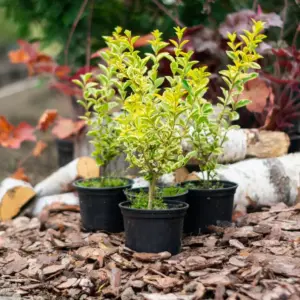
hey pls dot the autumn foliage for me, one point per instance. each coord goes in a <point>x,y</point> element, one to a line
<point>12,136</point>
<point>39,63</point>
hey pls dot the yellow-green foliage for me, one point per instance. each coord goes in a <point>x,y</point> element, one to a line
<point>209,134</point>
<point>156,119</point>
<point>101,98</point>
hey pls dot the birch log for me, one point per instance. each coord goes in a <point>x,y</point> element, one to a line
<point>243,143</point>
<point>61,180</point>
<point>14,194</point>
<point>261,182</point>
<point>42,202</point>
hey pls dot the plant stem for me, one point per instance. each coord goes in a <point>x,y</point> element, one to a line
<point>88,40</point>
<point>74,25</point>
<point>284,16</point>
<point>152,191</point>
<point>166,11</point>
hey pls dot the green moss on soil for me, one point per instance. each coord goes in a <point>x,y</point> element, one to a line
<point>103,182</point>
<point>205,185</point>
<point>139,200</point>
<point>172,191</point>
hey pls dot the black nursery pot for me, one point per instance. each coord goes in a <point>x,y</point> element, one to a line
<point>154,231</point>
<point>180,197</point>
<point>295,144</point>
<point>209,207</point>
<point>65,151</point>
<point>99,208</point>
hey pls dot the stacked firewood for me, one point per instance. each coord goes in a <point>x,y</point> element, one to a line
<point>259,164</point>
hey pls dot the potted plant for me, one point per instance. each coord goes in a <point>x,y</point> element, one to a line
<point>99,197</point>
<point>210,200</point>
<point>170,193</point>
<point>151,129</point>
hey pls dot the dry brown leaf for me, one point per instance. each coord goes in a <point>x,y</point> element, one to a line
<point>16,266</point>
<point>220,291</point>
<point>151,257</point>
<point>71,282</point>
<point>115,278</point>
<point>196,288</point>
<point>88,252</point>
<point>235,261</point>
<point>156,296</point>
<point>237,244</point>
<point>194,263</point>
<point>215,279</point>
<point>53,269</point>
<point>162,283</point>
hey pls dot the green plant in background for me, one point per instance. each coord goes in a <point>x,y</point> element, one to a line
<point>209,134</point>
<point>57,21</point>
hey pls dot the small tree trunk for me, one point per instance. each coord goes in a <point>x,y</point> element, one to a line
<point>152,192</point>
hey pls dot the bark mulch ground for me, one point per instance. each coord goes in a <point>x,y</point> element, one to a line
<point>51,258</point>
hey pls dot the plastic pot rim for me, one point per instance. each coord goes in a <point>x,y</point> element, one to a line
<point>146,188</point>
<point>233,186</point>
<point>123,205</point>
<point>78,187</point>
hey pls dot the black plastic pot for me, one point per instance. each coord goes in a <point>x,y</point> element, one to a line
<point>209,207</point>
<point>154,231</point>
<point>65,151</point>
<point>99,207</point>
<point>295,144</point>
<point>181,197</point>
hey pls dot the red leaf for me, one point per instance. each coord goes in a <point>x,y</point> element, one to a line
<point>39,148</point>
<point>259,93</point>
<point>20,174</point>
<point>81,71</point>
<point>30,48</point>
<point>47,119</point>
<point>68,89</point>
<point>12,137</point>
<point>18,56</point>
<point>62,71</point>
<point>65,128</point>
<point>259,10</point>
<point>143,40</point>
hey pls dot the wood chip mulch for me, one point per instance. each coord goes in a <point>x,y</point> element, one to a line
<point>51,258</point>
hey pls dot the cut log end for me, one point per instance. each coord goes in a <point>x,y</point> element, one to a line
<point>13,201</point>
<point>266,144</point>
<point>87,168</point>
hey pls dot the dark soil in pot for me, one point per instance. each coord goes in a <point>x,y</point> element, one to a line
<point>99,205</point>
<point>154,231</point>
<point>295,144</point>
<point>208,206</point>
<point>65,151</point>
<point>169,193</point>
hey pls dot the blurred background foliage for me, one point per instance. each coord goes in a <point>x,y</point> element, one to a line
<point>50,22</point>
